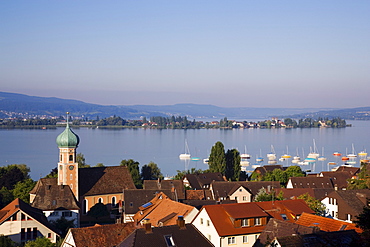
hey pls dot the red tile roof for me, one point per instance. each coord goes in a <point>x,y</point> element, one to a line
<point>326,224</point>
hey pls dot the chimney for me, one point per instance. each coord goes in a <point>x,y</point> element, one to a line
<point>147,226</point>
<point>336,187</point>
<point>181,222</point>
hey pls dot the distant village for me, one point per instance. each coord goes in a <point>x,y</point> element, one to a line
<point>173,122</point>
<point>103,206</point>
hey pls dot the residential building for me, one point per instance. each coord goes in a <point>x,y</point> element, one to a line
<point>202,181</point>
<point>346,204</point>
<point>21,222</point>
<point>176,187</point>
<point>55,200</point>
<point>98,235</point>
<point>179,235</point>
<point>163,211</point>
<point>310,182</point>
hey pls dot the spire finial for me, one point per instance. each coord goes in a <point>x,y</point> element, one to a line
<point>67,119</point>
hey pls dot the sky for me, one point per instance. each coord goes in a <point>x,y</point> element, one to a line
<point>225,53</point>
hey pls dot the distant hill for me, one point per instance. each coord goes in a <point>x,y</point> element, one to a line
<point>360,113</point>
<point>12,104</point>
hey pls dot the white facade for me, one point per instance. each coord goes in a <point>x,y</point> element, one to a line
<point>331,207</point>
<point>204,224</point>
<point>68,240</point>
<point>20,227</point>
<point>53,215</point>
<point>241,195</point>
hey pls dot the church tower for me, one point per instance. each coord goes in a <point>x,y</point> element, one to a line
<point>67,143</point>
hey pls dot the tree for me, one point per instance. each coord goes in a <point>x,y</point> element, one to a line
<point>22,189</point>
<point>53,173</point>
<point>63,225</point>
<point>314,204</point>
<point>151,171</point>
<point>40,242</point>
<point>99,165</point>
<point>98,210</point>
<point>263,196</point>
<point>181,174</point>
<point>6,196</point>
<point>10,175</point>
<point>276,175</point>
<point>217,160</point>
<point>294,171</point>
<point>363,221</point>
<point>232,160</point>
<point>133,167</point>
<point>80,159</point>
<point>5,241</point>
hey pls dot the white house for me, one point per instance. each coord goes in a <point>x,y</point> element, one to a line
<point>21,222</point>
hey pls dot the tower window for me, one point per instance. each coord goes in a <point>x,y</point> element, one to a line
<point>70,157</point>
<point>100,200</point>
<point>85,204</point>
<point>113,201</point>
<point>61,158</point>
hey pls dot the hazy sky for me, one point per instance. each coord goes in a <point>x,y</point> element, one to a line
<point>225,53</point>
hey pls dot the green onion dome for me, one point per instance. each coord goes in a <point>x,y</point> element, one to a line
<point>68,139</point>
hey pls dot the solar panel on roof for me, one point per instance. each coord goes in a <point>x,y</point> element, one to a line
<point>147,204</point>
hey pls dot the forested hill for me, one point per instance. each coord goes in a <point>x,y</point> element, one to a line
<point>12,105</point>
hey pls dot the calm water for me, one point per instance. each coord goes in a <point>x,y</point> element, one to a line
<point>37,148</point>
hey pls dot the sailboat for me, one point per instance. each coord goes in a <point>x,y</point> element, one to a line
<point>245,155</point>
<point>313,154</point>
<point>353,154</point>
<point>296,158</point>
<point>272,154</point>
<point>186,155</point>
<point>322,158</point>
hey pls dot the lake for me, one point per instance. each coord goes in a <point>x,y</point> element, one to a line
<point>38,149</point>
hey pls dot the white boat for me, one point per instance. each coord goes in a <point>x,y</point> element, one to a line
<point>322,157</point>
<point>313,154</point>
<point>205,161</point>
<point>245,155</point>
<point>353,154</point>
<point>186,155</point>
<point>272,154</point>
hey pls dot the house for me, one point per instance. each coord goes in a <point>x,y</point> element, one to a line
<point>202,181</point>
<point>134,198</point>
<point>310,182</point>
<point>339,178</point>
<point>179,235</point>
<point>346,204</point>
<point>198,195</point>
<point>325,224</point>
<point>327,239</point>
<point>55,200</point>
<point>278,228</point>
<point>163,211</point>
<point>240,224</point>
<point>22,222</point>
<point>244,191</point>
<point>98,235</point>
<point>176,187</point>
<point>236,224</point>
<point>262,170</point>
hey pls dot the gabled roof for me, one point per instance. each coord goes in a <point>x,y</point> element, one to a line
<point>278,228</point>
<point>101,235</point>
<point>326,224</point>
<point>311,182</point>
<point>223,188</point>
<point>352,170</point>
<point>50,196</point>
<point>104,180</point>
<point>195,194</point>
<point>19,205</point>
<point>339,178</point>
<point>176,186</point>
<point>161,210</point>
<point>134,198</point>
<point>355,199</point>
<point>221,216</point>
<point>269,168</point>
<point>198,181</point>
<point>291,208</point>
<point>181,237</point>
<point>321,239</point>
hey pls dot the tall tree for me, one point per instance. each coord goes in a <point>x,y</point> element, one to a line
<point>80,159</point>
<point>151,171</point>
<point>232,158</point>
<point>217,160</point>
<point>133,167</point>
<point>22,189</point>
<point>314,204</point>
<point>5,241</point>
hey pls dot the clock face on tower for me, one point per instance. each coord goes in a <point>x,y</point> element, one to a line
<point>71,167</point>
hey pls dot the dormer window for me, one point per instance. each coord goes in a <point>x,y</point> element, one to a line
<point>257,221</point>
<point>245,222</point>
<point>169,240</point>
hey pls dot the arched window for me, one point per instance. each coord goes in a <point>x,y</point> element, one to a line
<point>113,201</point>
<point>100,200</point>
<point>85,206</point>
<point>70,157</point>
<point>61,158</point>
<point>70,176</point>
